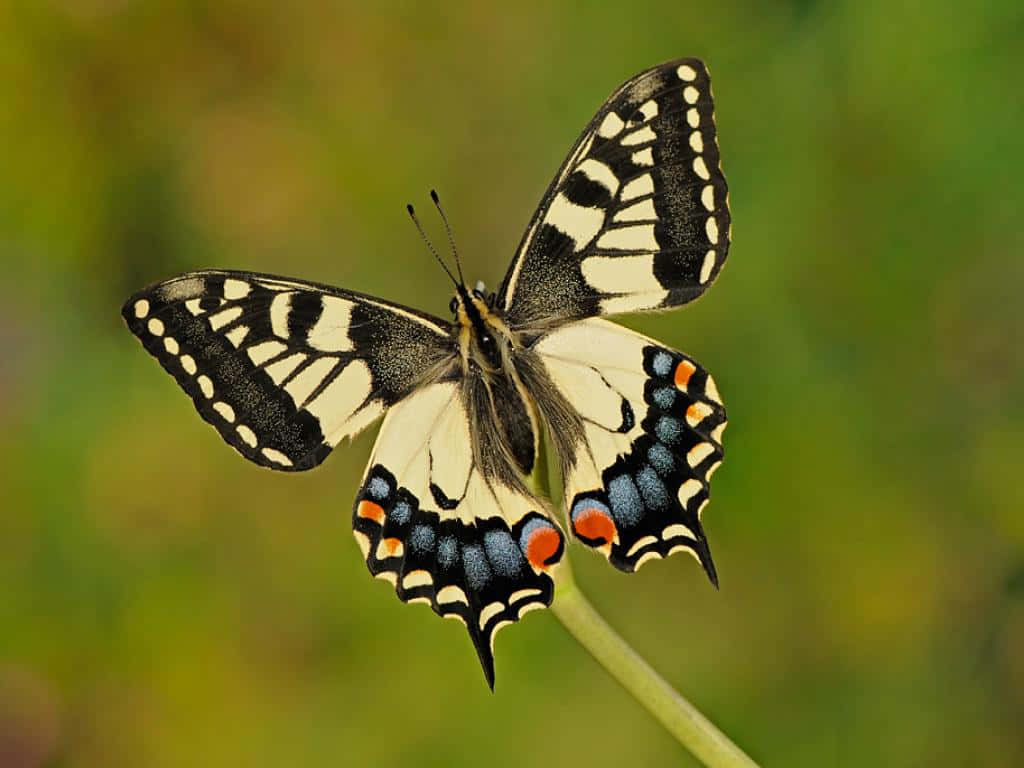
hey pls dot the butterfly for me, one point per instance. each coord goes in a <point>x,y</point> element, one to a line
<point>636,219</point>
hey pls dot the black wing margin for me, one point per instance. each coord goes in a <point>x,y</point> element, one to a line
<point>637,217</point>
<point>285,369</point>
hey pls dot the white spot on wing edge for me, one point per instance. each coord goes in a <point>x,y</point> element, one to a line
<point>711,228</point>
<point>188,364</point>
<point>640,544</point>
<point>707,197</point>
<point>698,453</point>
<point>363,541</point>
<point>646,558</point>
<point>712,391</point>
<point>686,73</point>
<point>417,578</point>
<point>141,308</point>
<point>247,435</point>
<point>205,386</point>
<point>677,529</point>
<point>489,612</point>
<point>155,326</point>
<point>688,490</point>
<point>452,594</point>
<point>225,410</point>
<point>277,457</point>
<point>171,345</point>
<point>693,117</point>
<point>707,266</point>
<point>697,141</point>
<point>701,168</point>
<point>691,94</point>
<point>522,594</point>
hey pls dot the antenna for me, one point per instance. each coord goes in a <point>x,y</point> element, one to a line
<point>451,238</point>
<point>430,245</point>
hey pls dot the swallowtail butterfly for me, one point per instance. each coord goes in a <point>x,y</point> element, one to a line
<point>636,219</point>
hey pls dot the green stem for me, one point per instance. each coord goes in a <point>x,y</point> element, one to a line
<point>689,727</point>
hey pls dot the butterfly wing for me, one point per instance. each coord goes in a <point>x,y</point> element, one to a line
<point>638,428</point>
<point>637,217</point>
<point>282,368</point>
<point>443,517</point>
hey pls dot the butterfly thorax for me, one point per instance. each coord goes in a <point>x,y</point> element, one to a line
<point>484,338</point>
<point>487,348</point>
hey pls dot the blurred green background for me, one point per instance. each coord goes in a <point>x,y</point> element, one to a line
<point>164,603</point>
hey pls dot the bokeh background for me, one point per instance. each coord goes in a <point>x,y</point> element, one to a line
<point>164,603</point>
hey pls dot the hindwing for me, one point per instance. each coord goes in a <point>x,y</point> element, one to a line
<point>446,519</point>
<point>638,427</point>
<point>285,369</point>
<point>637,217</point>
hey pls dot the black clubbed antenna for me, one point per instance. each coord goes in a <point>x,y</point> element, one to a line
<point>430,245</point>
<point>451,238</point>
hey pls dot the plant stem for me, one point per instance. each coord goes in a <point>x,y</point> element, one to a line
<point>689,727</point>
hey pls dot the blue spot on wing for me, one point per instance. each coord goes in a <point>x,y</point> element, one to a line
<point>422,539</point>
<point>478,573</point>
<point>447,551</point>
<point>661,459</point>
<point>378,488</point>
<point>652,489</point>
<point>663,364</point>
<point>503,553</point>
<point>627,507</point>
<point>668,430</point>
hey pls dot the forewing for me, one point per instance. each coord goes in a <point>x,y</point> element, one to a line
<point>637,218</point>
<point>285,369</point>
<point>438,520</point>
<point>638,428</point>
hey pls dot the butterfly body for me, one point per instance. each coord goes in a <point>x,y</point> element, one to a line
<point>636,219</point>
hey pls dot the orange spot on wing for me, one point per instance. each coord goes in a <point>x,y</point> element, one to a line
<point>392,545</point>
<point>684,371</point>
<point>594,524</point>
<point>543,544</point>
<point>371,511</point>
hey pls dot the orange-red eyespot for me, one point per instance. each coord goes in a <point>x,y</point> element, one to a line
<point>543,544</point>
<point>592,521</point>
<point>684,371</point>
<point>370,511</point>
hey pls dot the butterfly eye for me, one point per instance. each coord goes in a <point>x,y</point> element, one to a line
<point>453,305</point>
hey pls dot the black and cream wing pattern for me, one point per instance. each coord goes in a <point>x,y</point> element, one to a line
<point>284,369</point>
<point>636,219</point>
